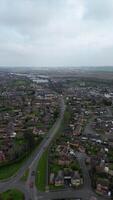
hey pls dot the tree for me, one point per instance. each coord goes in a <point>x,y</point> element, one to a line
<point>29,138</point>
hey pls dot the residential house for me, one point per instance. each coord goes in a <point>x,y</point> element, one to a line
<point>102,186</point>
<point>59,180</point>
<point>76,179</point>
<point>52,178</point>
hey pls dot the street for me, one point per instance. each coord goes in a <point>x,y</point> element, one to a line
<point>85,192</point>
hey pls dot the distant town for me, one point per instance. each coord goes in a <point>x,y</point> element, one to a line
<point>56,134</point>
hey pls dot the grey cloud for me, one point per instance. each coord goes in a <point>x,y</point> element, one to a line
<point>99,9</point>
<point>56,32</point>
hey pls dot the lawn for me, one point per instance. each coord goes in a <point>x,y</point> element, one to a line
<point>55,168</point>
<point>13,194</point>
<point>41,172</point>
<point>53,187</point>
<point>9,170</point>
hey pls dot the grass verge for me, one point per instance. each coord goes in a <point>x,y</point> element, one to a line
<point>13,194</point>
<point>25,176</point>
<point>40,179</point>
<point>10,169</point>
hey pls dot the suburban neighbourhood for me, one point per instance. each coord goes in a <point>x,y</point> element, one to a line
<point>56,137</point>
<point>56,99</point>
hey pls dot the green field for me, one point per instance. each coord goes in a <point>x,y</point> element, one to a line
<point>41,172</point>
<point>13,194</point>
<point>10,169</point>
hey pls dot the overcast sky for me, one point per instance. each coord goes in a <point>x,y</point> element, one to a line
<point>56,32</point>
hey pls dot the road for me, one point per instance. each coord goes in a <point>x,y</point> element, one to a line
<point>46,142</point>
<point>32,162</point>
<point>84,193</point>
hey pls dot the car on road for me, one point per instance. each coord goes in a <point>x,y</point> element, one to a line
<point>33,173</point>
<point>31,184</point>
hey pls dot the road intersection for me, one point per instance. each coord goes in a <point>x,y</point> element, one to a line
<point>84,193</point>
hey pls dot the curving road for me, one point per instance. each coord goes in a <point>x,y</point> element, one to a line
<point>31,163</point>
<point>84,193</point>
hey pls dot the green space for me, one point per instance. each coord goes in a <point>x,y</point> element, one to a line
<point>53,187</point>
<point>41,172</point>
<point>13,194</point>
<point>55,167</point>
<point>25,176</point>
<point>8,170</point>
<point>5,109</point>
